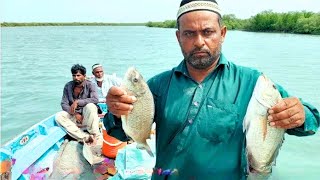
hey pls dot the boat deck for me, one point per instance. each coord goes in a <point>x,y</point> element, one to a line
<point>31,154</point>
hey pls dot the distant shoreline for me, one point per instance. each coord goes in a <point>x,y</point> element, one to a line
<point>15,24</point>
<point>267,21</point>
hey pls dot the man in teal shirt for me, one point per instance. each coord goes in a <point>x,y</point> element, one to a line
<point>201,104</point>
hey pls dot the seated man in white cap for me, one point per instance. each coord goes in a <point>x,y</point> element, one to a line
<point>103,81</point>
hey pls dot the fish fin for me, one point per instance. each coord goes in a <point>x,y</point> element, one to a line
<point>264,126</point>
<point>124,118</point>
<point>146,147</point>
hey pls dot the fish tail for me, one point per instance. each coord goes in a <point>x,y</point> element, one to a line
<point>146,147</point>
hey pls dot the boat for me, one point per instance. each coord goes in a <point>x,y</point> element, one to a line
<point>33,151</point>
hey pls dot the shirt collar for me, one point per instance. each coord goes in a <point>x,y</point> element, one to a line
<point>182,67</point>
<point>223,60</point>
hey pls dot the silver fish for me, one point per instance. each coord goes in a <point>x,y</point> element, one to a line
<point>263,141</point>
<point>137,124</point>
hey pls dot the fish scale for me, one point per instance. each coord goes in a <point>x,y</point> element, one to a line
<point>263,141</point>
<point>138,123</point>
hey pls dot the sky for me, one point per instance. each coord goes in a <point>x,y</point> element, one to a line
<point>130,11</point>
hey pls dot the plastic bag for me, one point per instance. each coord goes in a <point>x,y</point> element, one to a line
<point>133,163</point>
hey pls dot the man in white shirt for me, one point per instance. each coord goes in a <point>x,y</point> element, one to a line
<point>103,82</point>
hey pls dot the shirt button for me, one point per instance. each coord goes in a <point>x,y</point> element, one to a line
<point>196,103</point>
<point>200,86</point>
<point>190,121</point>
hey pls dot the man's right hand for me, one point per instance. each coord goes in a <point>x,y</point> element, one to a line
<point>73,107</point>
<point>119,102</point>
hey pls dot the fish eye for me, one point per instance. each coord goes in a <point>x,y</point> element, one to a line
<point>135,80</point>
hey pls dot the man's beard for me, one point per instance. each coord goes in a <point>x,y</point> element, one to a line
<point>202,62</point>
<point>99,79</point>
<point>77,82</point>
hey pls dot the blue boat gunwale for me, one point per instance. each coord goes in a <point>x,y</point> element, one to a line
<point>32,144</point>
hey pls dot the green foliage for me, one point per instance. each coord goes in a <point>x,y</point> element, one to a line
<point>165,24</point>
<point>309,25</point>
<point>291,22</point>
<point>232,22</point>
<point>9,24</point>
<point>264,21</point>
<point>267,21</point>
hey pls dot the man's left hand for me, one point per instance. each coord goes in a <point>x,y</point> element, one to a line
<point>287,114</point>
<point>79,118</point>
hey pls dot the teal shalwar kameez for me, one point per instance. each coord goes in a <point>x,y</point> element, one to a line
<point>199,128</point>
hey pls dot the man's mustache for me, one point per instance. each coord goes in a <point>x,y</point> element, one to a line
<point>77,81</point>
<point>202,50</point>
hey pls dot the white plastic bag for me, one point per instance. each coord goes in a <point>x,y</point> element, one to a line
<point>133,163</point>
